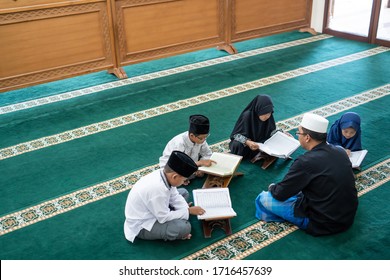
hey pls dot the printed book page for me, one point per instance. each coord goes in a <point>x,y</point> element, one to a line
<point>225,164</point>
<point>280,145</point>
<point>215,201</point>
<point>357,157</point>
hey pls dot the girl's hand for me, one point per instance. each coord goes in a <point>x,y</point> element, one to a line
<point>252,145</point>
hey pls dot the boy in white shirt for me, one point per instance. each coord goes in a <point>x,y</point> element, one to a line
<point>154,207</point>
<point>191,142</point>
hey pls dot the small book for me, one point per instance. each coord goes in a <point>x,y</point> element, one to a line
<point>216,203</point>
<point>225,164</point>
<point>280,145</point>
<point>357,157</point>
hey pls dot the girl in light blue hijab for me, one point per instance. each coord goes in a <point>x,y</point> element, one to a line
<point>346,132</point>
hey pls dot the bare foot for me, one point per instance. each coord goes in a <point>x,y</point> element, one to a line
<point>187,237</point>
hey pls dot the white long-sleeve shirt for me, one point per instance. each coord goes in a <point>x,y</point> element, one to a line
<point>148,201</point>
<point>183,143</point>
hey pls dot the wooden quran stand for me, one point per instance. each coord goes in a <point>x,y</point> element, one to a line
<point>224,223</point>
<point>220,181</point>
<point>209,225</point>
<point>268,160</point>
<point>214,181</point>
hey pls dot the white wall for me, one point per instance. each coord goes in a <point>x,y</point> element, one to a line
<point>317,15</point>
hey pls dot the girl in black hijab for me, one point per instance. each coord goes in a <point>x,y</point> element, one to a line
<point>255,124</point>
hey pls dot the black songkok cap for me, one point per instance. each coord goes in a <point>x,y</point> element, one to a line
<point>182,164</point>
<point>199,124</point>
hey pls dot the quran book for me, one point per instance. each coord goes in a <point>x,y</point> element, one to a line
<point>279,145</point>
<point>216,203</point>
<point>225,164</point>
<point>357,157</point>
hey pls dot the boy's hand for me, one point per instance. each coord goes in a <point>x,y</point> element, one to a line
<point>206,162</point>
<point>199,174</point>
<point>186,182</point>
<point>196,210</point>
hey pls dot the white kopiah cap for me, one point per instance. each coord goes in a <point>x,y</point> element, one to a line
<point>314,123</point>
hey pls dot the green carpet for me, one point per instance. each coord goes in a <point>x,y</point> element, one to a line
<point>68,166</point>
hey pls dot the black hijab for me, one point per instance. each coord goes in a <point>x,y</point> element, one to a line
<point>249,124</point>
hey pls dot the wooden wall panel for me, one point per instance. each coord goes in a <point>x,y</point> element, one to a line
<point>254,18</point>
<point>76,39</point>
<point>43,44</point>
<point>44,40</point>
<point>155,28</point>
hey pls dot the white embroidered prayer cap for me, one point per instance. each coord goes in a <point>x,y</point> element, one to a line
<point>314,123</point>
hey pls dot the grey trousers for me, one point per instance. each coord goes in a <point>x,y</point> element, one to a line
<point>172,230</point>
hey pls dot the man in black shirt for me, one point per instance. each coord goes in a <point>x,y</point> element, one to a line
<point>318,193</point>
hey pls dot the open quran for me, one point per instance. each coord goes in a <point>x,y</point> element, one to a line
<point>357,157</point>
<point>279,145</point>
<point>216,203</point>
<point>225,164</point>
<point>221,172</point>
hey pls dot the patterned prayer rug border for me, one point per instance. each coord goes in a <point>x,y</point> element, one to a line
<point>99,127</point>
<point>48,209</point>
<point>160,74</point>
<point>261,234</point>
